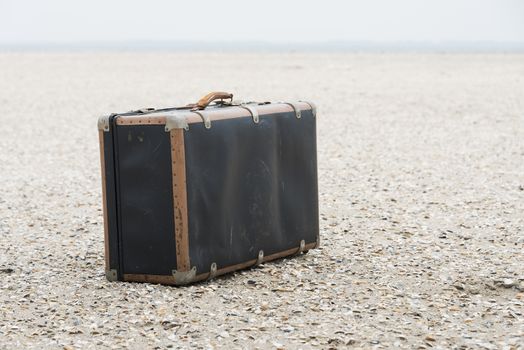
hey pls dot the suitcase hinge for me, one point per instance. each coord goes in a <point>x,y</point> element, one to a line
<point>111,275</point>
<point>260,258</point>
<point>212,271</point>
<point>205,119</point>
<point>103,123</point>
<point>302,247</point>
<point>296,108</point>
<point>184,277</point>
<point>253,111</point>
<point>176,122</point>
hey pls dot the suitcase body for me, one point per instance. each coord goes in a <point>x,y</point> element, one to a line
<point>198,191</point>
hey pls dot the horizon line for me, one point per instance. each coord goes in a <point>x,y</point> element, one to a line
<point>250,46</point>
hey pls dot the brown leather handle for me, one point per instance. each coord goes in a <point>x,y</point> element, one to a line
<point>212,96</point>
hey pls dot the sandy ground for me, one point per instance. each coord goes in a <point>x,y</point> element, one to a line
<point>421,176</point>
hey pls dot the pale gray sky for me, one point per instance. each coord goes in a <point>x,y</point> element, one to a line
<point>26,22</point>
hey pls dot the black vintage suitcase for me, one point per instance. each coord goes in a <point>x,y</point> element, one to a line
<point>198,191</point>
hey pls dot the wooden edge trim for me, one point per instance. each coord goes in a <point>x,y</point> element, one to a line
<point>214,114</point>
<point>157,279</point>
<point>288,252</point>
<point>141,120</point>
<point>170,280</point>
<point>104,198</point>
<point>178,168</point>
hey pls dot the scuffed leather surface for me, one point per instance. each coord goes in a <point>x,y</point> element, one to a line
<point>145,200</point>
<point>250,187</point>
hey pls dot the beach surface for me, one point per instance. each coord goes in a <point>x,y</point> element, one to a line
<point>421,181</point>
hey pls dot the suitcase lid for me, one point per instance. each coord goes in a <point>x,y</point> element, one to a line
<point>213,106</point>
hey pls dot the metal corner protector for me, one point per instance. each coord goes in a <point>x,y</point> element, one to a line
<point>176,122</point>
<point>313,107</point>
<point>103,123</point>
<point>184,277</point>
<point>112,275</point>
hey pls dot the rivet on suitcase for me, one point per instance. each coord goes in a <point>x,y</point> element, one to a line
<point>194,192</point>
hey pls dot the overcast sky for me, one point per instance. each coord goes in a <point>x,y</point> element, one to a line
<point>24,22</point>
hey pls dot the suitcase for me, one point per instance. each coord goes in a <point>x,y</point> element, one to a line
<point>194,192</point>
